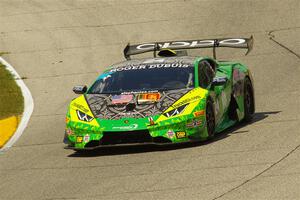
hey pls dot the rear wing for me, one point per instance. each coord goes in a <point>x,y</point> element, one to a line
<point>243,43</point>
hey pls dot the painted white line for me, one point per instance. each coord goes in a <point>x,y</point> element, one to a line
<point>28,106</point>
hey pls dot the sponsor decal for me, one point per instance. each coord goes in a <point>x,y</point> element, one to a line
<point>168,65</point>
<point>79,139</point>
<point>84,117</point>
<point>194,123</point>
<point>121,99</point>
<point>81,107</point>
<point>86,138</point>
<point>220,80</point>
<point>193,44</point>
<point>188,100</point>
<point>170,133</point>
<point>180,134</point>
<point>131,126</point>
<point>199,113</point>
<point>130,67</point>
<point>148,97</point>
<point>151,66</point>
<point>175,111</point>
<point>140,92</point>
<point>128,114</point>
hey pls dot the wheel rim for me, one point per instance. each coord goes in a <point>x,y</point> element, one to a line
<point>210,121</point>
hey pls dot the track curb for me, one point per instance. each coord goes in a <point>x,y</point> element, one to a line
<point>8,127</point>
<point>28,106</point>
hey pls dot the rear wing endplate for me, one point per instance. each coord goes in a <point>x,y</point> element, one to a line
<point>243,43</point>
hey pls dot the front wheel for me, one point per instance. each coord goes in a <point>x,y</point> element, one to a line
<point>210,119</point>
<point>248,101</point>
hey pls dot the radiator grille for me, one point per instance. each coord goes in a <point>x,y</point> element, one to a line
<point>126,137</point>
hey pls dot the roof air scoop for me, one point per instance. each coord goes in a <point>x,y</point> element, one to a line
<point>167,53</point>
<point>171,53</point>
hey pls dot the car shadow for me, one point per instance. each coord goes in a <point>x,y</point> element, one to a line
<point>120,150</point>
<point>258,116</point>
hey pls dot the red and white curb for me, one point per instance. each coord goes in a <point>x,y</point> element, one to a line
<point>28,106</point>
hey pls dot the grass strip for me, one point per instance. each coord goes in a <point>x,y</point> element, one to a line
<point>11,98</point>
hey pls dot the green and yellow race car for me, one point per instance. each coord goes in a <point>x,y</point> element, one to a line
<point>170,98</point>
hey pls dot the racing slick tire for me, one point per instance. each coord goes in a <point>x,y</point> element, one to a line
<point>248,100</point>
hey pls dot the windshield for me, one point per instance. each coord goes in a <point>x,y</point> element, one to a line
<point>144,78</point>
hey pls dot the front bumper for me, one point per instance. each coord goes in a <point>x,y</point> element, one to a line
<point>130,139</point>
<point>179,131</point>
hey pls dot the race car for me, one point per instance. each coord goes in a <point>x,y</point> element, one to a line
<point>166,99</point>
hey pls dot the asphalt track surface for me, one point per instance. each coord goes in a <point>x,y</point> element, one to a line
<point>57,44</point>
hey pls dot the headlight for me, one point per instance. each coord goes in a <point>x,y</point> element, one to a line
<point>83,117</point>
<point>175,111</point>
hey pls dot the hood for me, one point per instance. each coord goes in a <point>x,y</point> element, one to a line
<point>103,107</point>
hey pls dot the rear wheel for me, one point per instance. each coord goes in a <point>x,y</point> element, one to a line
<point>210,119</point>
<point>248,100</point>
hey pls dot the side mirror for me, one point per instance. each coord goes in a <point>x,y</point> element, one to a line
<point>219,81</point>
<point>80,89</point>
